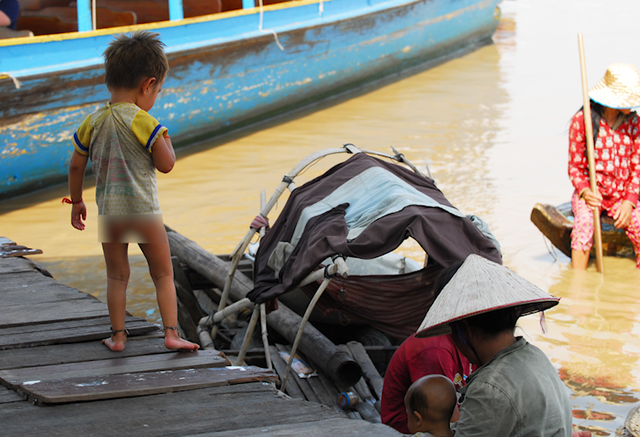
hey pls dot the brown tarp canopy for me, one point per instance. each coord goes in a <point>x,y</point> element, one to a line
<point>395,304</point>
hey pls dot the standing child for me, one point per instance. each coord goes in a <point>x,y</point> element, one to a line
<point>430,402</point>
<point>616,132</point>
<point>126,146</point>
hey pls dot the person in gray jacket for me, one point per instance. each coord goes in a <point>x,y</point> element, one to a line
<point>515,391</point>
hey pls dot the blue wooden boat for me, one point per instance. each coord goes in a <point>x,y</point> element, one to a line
<point>227,70</point>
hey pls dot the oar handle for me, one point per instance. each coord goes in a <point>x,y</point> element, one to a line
<point>588,132</point>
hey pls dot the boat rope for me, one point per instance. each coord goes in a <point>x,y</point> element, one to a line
<point>16,82</point>
<point>320,8</point>
<point>551,250</point>
<point>275,35</point>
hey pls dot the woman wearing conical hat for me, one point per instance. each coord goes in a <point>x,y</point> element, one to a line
<point>616,132</point>
<point>515,391</point>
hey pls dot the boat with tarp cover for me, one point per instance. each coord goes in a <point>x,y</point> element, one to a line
<point>362,210</point>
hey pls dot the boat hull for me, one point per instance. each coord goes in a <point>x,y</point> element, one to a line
<point>556,223</point>
<point>224,74</point>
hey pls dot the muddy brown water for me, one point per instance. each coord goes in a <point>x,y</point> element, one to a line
<point>492,127</point>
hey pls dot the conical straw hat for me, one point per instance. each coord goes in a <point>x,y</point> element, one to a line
<point>619,88</point>
<point>480,286</point>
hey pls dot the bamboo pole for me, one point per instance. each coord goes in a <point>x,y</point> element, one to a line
<point>296,342</point>
<point>588,128</point>
<point>248,335</point>
<point>265,338</point>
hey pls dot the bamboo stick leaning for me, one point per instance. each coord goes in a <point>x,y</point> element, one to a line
<point>588,131</point>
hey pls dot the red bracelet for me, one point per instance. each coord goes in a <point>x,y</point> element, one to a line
<point>71,202</point>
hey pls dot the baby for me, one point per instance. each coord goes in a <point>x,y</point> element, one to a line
<point>430,402</point>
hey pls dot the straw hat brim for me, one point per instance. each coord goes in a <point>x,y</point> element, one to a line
<point>619,88</point>
<point>480,286</point>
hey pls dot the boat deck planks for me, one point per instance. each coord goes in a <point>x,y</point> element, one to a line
<point>182,406</point>
<point>313,429</point>
<point>226,408</point>
<point>7,395</point>
<point>12,378</point>
<point>139,384</point>
<point>67,332</point>
<point>78,352</point>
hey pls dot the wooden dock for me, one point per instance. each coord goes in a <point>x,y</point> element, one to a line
<point>58,379</point>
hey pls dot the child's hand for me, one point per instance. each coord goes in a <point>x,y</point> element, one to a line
<point>622,216</point>
<point>594,200</point>
<point>78,214</point>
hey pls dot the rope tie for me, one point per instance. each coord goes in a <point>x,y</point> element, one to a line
<point>275,35</point>
<point>16,82</point>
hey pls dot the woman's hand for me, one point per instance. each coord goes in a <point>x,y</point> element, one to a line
<point>622,216</point>
<point>594,200</point>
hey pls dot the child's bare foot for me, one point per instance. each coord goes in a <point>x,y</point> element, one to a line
<point>174,342</point>
<point>117,341</point>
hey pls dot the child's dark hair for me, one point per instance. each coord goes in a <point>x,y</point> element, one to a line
<point>442,411</point>
<point>418,401</point>
<point>132,58</point>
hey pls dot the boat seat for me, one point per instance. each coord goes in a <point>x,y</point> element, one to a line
<point>58,19</point>
<point>233,5</point>
<point>6,33</point>
<point>36,5</point>
<point>151,11</point>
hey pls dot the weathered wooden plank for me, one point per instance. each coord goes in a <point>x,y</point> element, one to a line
<point>280,365</point>
<point>140,384</point>
<point>50,293</point>
<point>51,312</point>
<point>27,280</point>
<point>320,428</point>
<point>16,265</point>
<point>370,373</point>
<point>79,324</point>
<point>96,369</point>
<point>7,396</point>
<point>77,352</point>
<point>215,409</point>
<point>302,383</point>
<point>69,335</point>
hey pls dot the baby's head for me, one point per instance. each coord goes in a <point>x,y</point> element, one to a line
<point>430,402</point>
<point>132,59</point>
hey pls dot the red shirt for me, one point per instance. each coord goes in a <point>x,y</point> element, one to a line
<point>616,157</point>
<point>415,358</point>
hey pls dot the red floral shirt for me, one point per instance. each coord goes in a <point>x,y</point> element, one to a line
<point>616,154</point>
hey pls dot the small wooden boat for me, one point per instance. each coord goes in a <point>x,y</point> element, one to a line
<point>556,223</point>
<point>229,69</point>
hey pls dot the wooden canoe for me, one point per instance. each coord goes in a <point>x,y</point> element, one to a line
<point>556,223</point>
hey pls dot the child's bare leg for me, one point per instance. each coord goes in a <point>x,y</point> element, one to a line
<point>158,257</point>
<point>117,260</point>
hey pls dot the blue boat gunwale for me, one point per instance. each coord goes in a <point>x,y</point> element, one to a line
<point>354,42</point>
<point>343,13</point>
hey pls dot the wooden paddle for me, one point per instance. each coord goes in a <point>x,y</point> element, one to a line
<point>588,131</point>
